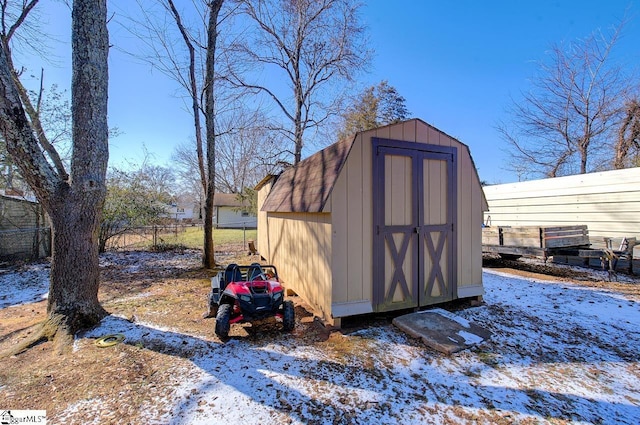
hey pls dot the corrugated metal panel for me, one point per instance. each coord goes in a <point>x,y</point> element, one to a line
<point>607,202</point>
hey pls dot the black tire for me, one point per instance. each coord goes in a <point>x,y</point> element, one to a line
<point>288,316</point>
<point>222,320</point>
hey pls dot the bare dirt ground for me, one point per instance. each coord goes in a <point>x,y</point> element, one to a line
<point>146,288</point>
<point>169,291</point>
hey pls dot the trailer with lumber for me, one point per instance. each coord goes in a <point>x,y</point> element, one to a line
<point>560,242</point>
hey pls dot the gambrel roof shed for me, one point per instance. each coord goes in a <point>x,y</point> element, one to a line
<point>389,219</point>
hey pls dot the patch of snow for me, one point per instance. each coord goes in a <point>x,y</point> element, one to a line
<point>454,317</point>
<point>28,284</point>
<point>469,338</point>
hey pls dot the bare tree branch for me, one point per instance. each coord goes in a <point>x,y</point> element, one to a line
<point>564,123</point>
<point>312,44</point>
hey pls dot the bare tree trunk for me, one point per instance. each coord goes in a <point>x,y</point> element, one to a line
<point>298,131</point>
<point>73,294</point>
<point>76,208</point>
<point>212,34</point>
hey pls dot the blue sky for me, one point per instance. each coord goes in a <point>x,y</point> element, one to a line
<point>457,63</point>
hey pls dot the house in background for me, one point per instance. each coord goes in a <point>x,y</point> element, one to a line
<point>185,209</point>
<point>229,212</point>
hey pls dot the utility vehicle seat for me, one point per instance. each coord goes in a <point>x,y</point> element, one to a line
<point>232,274</point>
<point>255,272</point>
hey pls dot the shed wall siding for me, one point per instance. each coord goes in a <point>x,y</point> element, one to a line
<point>300,247</point>
<point>22,227</point>
<point>607,202</point>
<point>352,238</point>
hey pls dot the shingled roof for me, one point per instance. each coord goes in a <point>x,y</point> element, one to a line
<point>307,186</point>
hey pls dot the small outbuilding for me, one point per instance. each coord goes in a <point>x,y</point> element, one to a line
<point>387,220</point>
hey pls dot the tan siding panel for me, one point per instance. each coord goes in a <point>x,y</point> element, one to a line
<point>354,229</point>
<point>396,132</point>
<point>476,234</point>
<point>262,244</point>
<point>383,133</point>
<point>433,136</point>
<point>465,220</point>
<point>409,131</point>
<point>367,220</point>
<point>301,253</point>
<point>422,133</point>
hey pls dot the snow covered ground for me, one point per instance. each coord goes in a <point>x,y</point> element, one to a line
<point>560,353</point>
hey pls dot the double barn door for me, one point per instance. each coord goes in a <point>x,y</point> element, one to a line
<point>414,217</point>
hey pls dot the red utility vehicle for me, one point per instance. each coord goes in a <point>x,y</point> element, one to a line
<point>248,293</point>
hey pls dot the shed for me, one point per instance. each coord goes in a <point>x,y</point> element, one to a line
<point>387,220</point>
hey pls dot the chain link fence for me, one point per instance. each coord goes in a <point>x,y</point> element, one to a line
<point>145,236</point>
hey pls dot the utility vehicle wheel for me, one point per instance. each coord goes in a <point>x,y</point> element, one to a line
<point>222,320</point>
<point>288,316</point>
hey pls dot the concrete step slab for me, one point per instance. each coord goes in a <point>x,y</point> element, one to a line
<point>442,330</point>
